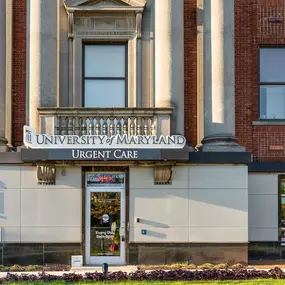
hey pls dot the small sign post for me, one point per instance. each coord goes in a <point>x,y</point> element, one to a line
<point>76,261</point>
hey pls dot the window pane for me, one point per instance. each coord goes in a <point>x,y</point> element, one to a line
<point>105,61</point>
<point>282,208</point>
<point>272,65</point>
<point>105,223</point>
<point>272,102</point>
<point>105,93</point>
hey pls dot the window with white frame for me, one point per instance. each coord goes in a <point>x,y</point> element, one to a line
<point>272,83</point>
<point>105,75</point>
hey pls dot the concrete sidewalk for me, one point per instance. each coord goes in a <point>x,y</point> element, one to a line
<point>78,270</point>
<point>84,269</point>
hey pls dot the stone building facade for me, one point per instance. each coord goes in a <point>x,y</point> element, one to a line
<point>196,70</point>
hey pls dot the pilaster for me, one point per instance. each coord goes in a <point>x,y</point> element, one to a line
<point>219,77</point>
<point>169,59</point>
<point>9,56</point>
<point>3,140</point>
<point>43,57</point>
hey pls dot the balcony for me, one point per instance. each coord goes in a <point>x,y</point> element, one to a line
<point>104,121</point>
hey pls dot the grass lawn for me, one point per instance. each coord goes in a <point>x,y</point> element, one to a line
<point>252,282</point>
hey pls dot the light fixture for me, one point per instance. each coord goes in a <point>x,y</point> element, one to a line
<point>105,268</point>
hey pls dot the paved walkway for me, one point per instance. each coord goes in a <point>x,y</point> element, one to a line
<point>84,269</point>
<point>79,270</point>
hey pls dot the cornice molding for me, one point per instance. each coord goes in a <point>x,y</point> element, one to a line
<point>79,4</point>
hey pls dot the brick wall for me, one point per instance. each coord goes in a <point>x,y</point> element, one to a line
<point>190,65</point>
<point>253,28</point>
<point>19,71</point>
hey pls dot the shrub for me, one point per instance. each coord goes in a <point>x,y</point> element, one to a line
<point>19,268</point>
<point>206,266</point>
<point>56,267</point>
<point>277,273</point>
<point>221,266</point>
<point>157,275</point>
<point>237,266</point>
<point>191,266</point>
<point>174,266</point>
<point>16,267</point>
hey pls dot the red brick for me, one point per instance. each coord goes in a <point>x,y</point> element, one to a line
<point>252,29</point>
<point>190,66</point>
<point>19,71</point>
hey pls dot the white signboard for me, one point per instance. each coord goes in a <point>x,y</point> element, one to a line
<point>76,261</point>
<point>42,141</point>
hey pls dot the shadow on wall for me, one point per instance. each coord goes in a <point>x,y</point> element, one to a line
<point>153,223</point>
<point>2,193</point>
<point>222,198</point>
<point>156,234</point>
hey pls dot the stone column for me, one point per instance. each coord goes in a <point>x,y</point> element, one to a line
<point>169,59</point>
<point>43,58</point>
<point>8,71</point>
<point>219,76</point>
<point>3,140</point>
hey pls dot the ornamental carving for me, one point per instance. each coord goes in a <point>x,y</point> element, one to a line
<point>106,25</point>
<point>100,16</point>
<point>70,26</point>
<point>139,25</point>
<point>163,174</point>
<point>46,174</point>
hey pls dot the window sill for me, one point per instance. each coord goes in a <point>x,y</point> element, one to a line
<point>269,123</point>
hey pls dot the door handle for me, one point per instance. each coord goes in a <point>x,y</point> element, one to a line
<point>123,238</point>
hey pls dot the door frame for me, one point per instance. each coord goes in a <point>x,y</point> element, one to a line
<point>99,260</point>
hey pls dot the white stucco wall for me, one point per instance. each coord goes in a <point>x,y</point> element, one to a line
<point>263,207</point>
<point>203,204</point>
<point>218,204</point>
<point>163,209</point>
<point>39,213</point>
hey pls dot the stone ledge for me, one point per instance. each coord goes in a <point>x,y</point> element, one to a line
<point>34,155</point>
<point>266,167</point>
<point>194,157</point>
<point>10,158</point>
<point>220,157</point>
<point>269,123</point>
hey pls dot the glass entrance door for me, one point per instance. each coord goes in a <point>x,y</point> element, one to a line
<point>105,218</point>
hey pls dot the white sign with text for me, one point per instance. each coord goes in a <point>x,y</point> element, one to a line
<point>42,141</point>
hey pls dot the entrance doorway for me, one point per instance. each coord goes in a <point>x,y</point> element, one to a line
<point>105,218</point>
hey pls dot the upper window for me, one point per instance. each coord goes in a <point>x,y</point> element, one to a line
<point>105,75</point>
<point>272,83</point>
